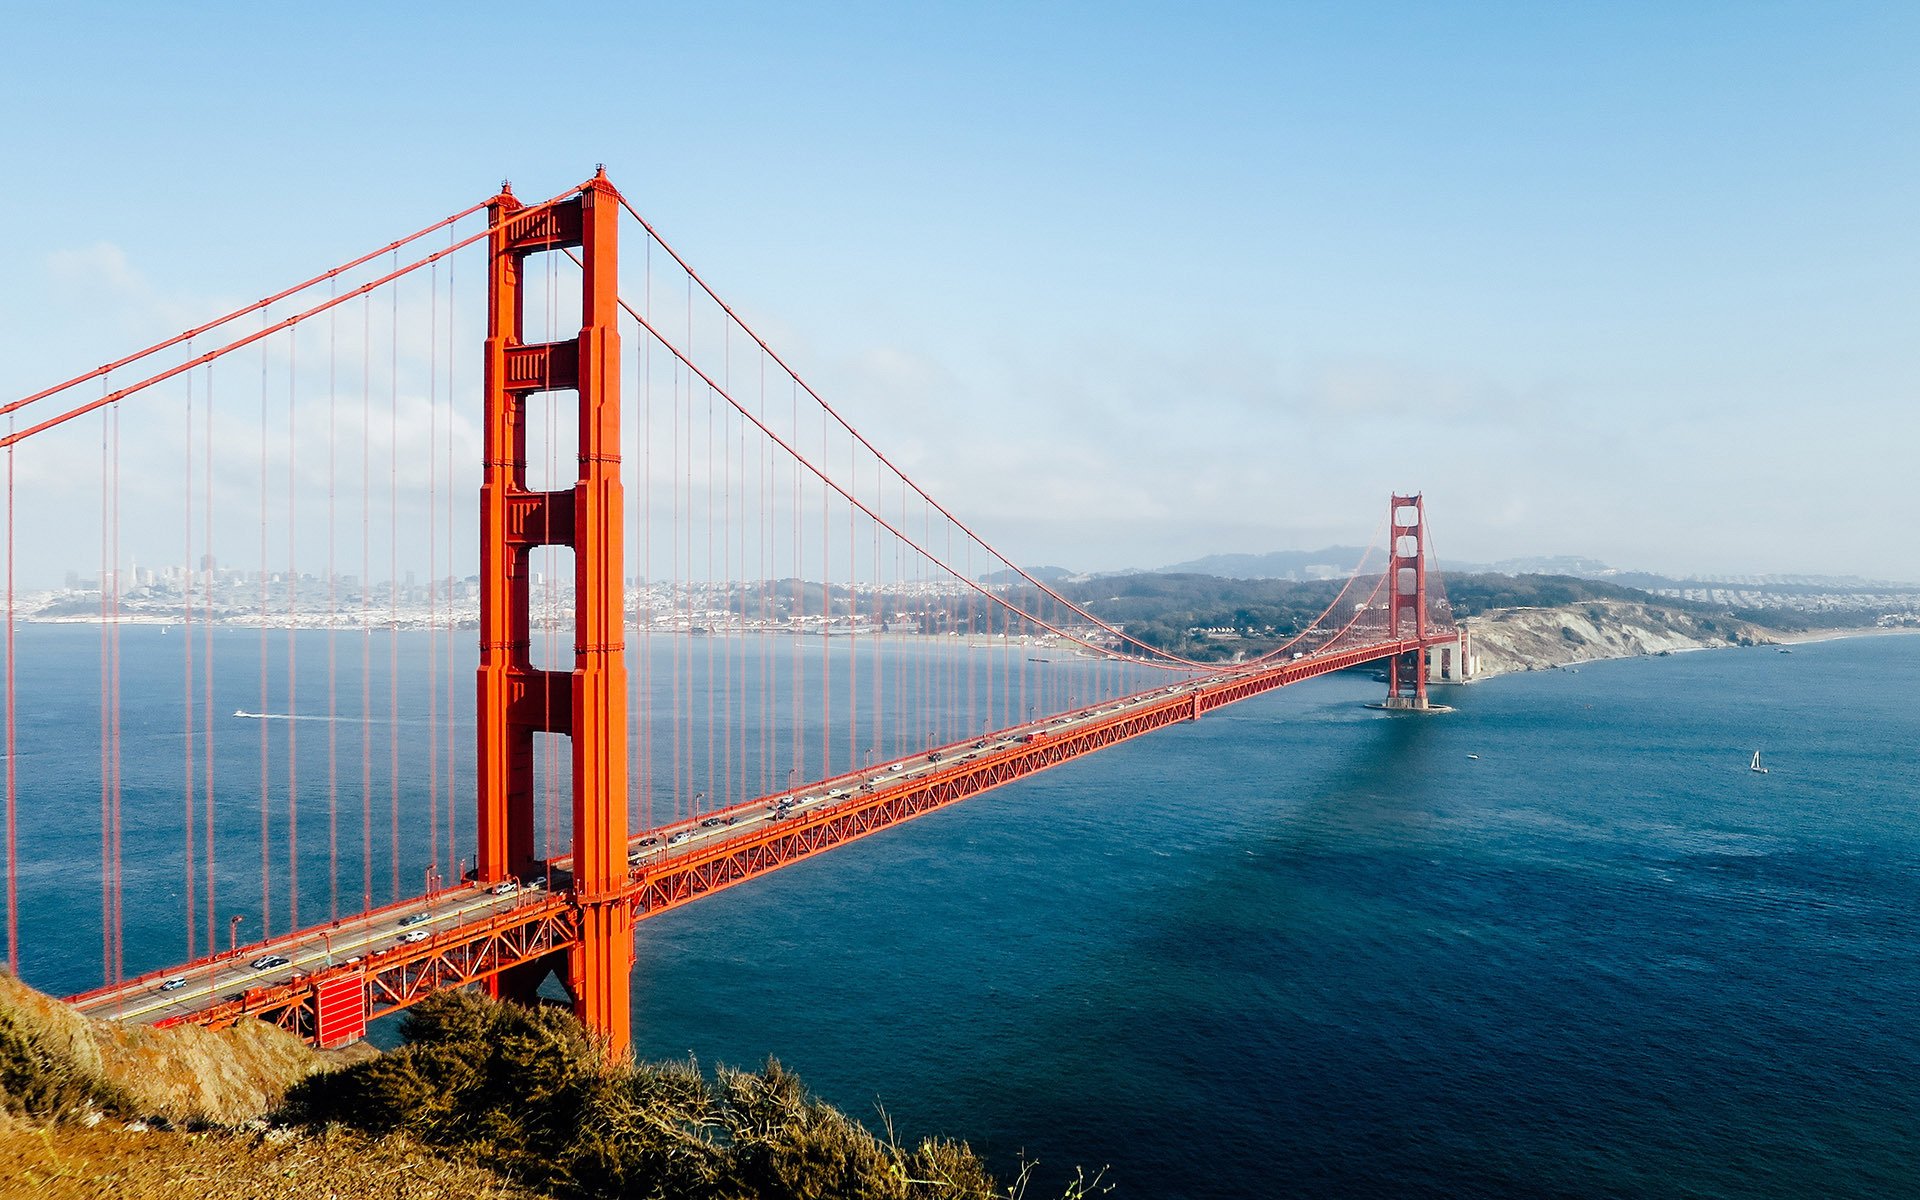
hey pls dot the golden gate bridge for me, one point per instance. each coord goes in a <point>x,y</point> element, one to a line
<point>719,632</point>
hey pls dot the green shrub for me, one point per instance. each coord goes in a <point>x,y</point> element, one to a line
<point>528,1093</point>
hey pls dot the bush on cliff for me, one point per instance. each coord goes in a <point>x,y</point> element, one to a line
<point>526,1092</point>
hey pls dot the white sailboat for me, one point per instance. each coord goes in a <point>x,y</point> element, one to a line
<point>1755,764</point>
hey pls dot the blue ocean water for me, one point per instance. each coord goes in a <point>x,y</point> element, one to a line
<point>1305,948</point>
<point>1298,948</point>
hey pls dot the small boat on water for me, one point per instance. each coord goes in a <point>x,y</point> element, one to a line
<point>1474,757</point>
<point>1755,764</point>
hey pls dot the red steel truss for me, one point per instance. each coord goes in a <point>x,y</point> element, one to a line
<point>393,979</point>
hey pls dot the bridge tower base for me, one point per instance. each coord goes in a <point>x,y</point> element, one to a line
<point>517,700</point>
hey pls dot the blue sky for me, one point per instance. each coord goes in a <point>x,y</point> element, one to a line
<point>1124,284</point>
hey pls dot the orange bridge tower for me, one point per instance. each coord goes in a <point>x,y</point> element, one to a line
<point>516,699</point>
<point>1407,614</point>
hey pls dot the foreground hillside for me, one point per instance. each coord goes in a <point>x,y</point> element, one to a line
<point>73,1162</point>
<point>483,1100</point>
<point>96,1109</point>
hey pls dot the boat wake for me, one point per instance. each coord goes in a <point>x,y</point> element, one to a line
<point>254,716</point>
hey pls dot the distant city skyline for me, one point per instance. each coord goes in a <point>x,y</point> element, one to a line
<point>1121,287</point>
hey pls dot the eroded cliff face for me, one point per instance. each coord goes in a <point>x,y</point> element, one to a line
<point>183,1074</point>
<point>1523,639</point>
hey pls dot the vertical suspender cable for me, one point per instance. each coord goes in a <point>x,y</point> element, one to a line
<point>206,660</point>
<point>684,698</point>
<point>333,615</point>
<point>106,731</point>
<point>826,620</point>
<point>763,539</point>
<point>366,602</point>
<point>675,582</point>
<point>433,567</point>
<point>643,347</point>
<point>453,839</point>
<point>799,610</point>
<point>393,587</point>
<point>266,844</point>
<point>189,789</point>
<point>293,677</point>
<point>715,799</point>
<point>853,611</point>
<point>726,592</point>
<point>13,795</point>
<point>119,891</point>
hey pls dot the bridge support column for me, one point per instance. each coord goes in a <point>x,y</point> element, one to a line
<point>1407,599</point>
<point>516,700</point>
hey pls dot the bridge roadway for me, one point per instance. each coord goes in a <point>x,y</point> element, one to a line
<point>400,953</point>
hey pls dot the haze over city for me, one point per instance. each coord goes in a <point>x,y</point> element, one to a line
<point>1121,286</point>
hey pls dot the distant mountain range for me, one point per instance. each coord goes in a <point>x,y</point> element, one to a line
<point>1337,562</point>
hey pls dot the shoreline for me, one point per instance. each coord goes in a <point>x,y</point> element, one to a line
<point>1512,640</point>
<point>1786,641</point>
<point>1833,635</point>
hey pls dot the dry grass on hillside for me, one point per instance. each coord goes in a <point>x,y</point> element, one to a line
<point>69,1162</point>
<point>96,1109</point>
<point>485,1100</point>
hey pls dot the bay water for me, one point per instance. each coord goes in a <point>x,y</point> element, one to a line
<point>1559,942</point>
<point>1307,948</point>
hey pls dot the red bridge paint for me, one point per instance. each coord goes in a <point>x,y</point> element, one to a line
<point>339,1008</point>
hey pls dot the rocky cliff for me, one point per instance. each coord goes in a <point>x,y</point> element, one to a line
<point>1529,639</point>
